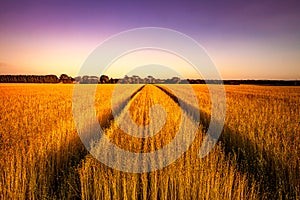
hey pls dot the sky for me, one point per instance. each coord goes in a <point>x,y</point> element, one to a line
<point>245,39</point>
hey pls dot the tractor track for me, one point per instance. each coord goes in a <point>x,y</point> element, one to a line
<point>82,153</point>
<point>234,143</point>
<point>121,107</point>
<point>248,154</point>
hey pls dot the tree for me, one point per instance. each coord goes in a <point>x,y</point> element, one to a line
<point>28,79</point>
<point>64,78</point>
<point>104,79</point>
<point>175,80</point>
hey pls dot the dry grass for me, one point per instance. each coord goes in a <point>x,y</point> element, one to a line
<point>42,156</point>
<point>40,147</point>
<point>188,178</point>
<point>262,129</point>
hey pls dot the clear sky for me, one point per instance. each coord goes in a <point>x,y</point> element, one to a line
<point>246,39</point>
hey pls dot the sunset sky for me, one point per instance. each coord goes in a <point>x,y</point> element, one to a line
<point>245,39</point>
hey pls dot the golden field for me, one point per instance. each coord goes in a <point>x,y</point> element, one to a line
<point>256,157</point>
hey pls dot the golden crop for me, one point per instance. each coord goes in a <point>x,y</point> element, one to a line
<point>42,156</point>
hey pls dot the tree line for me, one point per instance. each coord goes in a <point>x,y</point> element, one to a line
<point>104,79</point>
<point>36,79</point>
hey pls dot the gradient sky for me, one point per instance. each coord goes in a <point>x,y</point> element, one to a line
<point>246,39</point>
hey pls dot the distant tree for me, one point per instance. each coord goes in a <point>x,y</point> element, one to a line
<point>136,79</point>
<point>28,79</point>
<point>104,79</point>
<point>113,81</point>
<point>84,80</point>
<point>64,78</point>
<point>51,79</point>
<point>93,79</point>
<point>150,79</point>
<point>175,80</point>
<point>77,79</point>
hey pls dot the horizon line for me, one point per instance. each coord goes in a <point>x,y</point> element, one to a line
<point>234,79</point>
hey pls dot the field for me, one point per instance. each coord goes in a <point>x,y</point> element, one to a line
<point>43,157</point>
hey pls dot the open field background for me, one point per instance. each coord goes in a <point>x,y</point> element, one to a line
<point>257,156</point>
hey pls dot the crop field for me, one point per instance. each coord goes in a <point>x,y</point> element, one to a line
<point>256,157</point>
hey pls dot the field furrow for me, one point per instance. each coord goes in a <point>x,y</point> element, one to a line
<point>40,145</point>
<point>189,177</point>
<point>272,160</point>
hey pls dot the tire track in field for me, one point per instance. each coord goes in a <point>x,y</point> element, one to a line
<point>258,164</point>
<point>189,109</point>
<point>111,117</point>
<point>70,175</point>
<point>121,107</point>
<point>121,115</point>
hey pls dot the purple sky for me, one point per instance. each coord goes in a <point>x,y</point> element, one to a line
<point>255,39</point>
